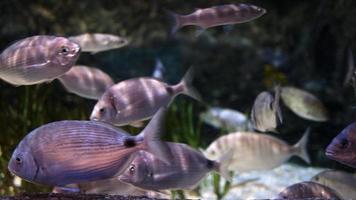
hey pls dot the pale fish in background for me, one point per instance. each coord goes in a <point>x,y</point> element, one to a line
<point>159,70</point>
<point>342,182</point>
<point>225,118</point>
<point>304,104</point>
<point>186,169</point>
<point>87,82</point>
<point>256,151</point>
<point>266,111</point>
<point>37,59</point>
<point>135,100</point>
<point>98,42</point>
<point>217,15</point>
<point>306,190</point>
<point>66,152</point>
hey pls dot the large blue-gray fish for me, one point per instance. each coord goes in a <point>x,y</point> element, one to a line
<point>343,146</point>
<point>135,100</point>
<point>37,59</point>
<point>218,15</point>
<point>87,82</point>
<point>66,152</point>
<point>186,169</point>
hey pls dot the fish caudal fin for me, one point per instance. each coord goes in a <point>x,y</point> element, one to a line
<point>151,136</point>
<point>300,148</point>
<point>187,85</point>
<point>174,20</point>
<point>223,164</point>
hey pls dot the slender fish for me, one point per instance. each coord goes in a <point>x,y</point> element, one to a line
<point>254,151</point>
<point>87,82</point>
<point>37,59</point>
<point>134,100</point>
<point>66,152</point>
<point>217,15</point>
<point>186,169</point>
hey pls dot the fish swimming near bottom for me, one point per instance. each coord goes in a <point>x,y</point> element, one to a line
<point>66,152</point>
<point>186,169</point>
<point>343,146</point>
<point>306,190</point>
<point>87,82</point>
<point>255,151</point>
<point>342,182</point>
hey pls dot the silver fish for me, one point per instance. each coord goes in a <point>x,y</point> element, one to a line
<point>217,15</point>
<point>255,151</point>
<point>266,111</point>
<point>304,104</point>
<point>342,182</point>
<point>98,42</point>
<point>66,152</point>
<point>87,82</point>
<point>225,118</point>
<point>37,59</point>
<point>135,100</point>
<point>185,170</point>
<point>159,70</point>
<point>306,190</point>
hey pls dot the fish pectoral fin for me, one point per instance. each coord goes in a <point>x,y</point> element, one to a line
<point>137,124</point>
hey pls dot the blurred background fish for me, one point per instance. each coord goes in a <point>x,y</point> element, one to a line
<point>87,82</point>
<point>159,70</point>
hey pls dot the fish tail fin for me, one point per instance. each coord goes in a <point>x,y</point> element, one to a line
<point>151,136</point>
<point>186,85</point>
<point>222,165</point>
<point>175,21</point>
<point>300,148</point>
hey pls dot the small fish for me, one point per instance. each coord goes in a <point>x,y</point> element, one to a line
<point>256,151</point>
<point>98,42</point>
<point>266,111</point>
<point>66,152</point>
<point>304,104</point>
<point>225,118</point>
<point>217,15</point>
<point>135,100</point>
<point>342,182</point>
<point>343,146</point>
<point>87,82</point>
<point>159,70</point>
<point>37,59</point>
<point>306,190</point>
<point>186,169</point>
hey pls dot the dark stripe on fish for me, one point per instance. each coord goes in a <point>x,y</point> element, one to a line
<point>210,164</point>
<point>129,142</point>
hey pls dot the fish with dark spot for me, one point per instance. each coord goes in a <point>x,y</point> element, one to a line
<point>135,100</point>
<point>66,152</point>
<point>37,59</point>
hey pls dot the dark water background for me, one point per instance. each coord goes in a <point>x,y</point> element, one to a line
<point>298,43</point>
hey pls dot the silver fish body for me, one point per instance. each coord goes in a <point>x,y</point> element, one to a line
<point>185,170</point>
<point>66,152</point>
<point>98,42</point>
<point>342,182</point>
<point>37,59</point>
<point>254,151</point>
<point>138,99</point>
<point>306,190</point>
<point>218,15</point>
<point>304,104</point>
<point>87,82</point>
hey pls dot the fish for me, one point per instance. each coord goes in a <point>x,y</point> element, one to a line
<point>266,112</point>
<point>343,148</point>
<point>37,59</point>
<point>256,151</point>
<point>87,82</point>
<point>159,70</point>
<point>72,151</point>
<point>135,100</point>
<point>226,14</point>
<point>304,104</point>
<point>342,182</point>
<point>98,42</point>
<point>308,189</point>
<point>225,118</point>
<point>186,169</point>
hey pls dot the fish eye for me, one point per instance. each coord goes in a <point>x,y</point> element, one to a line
<point>64,50</point>
<point>132,168</point>
<point>344,143</point>
<point>102,110</point>
<point>18,160</point>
